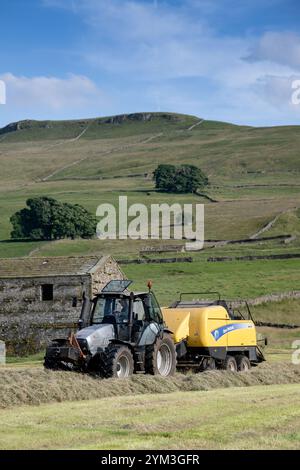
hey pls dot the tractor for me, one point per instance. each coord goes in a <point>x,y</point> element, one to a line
<point>119,333</point>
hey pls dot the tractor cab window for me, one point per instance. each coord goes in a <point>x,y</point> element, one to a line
<point>113,308</point>
<point>138,310</point>
<point>153,309</point>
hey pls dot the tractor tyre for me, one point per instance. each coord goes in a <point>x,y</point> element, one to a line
<point>117,361</point>
<point>229,364</point>
<point>50,364</point>
<point>243,363</point>
<point>160,357</point>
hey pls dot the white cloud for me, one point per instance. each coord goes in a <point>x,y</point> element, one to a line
<point>279,47</point>
<point>42,97</point>
<point>50,92</point>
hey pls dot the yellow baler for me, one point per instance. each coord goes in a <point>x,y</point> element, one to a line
<point>212,337</point>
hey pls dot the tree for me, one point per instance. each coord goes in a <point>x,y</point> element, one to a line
<point>163,176</point>
<point>45,218</point>
<point>179,179</point>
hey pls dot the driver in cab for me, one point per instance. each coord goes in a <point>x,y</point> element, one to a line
<point>121,311</point>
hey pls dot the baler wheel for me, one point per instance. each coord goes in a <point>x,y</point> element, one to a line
<point>243,363</point>
<point>229,364</point>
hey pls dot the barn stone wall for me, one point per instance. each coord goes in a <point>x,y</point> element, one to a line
<point>110,270</point>
<point>26,322</point>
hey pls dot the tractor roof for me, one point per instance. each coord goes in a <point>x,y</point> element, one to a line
<point>120,287</point>
<point>123,294</point>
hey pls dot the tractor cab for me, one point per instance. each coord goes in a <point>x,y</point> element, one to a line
<point>128,312</point>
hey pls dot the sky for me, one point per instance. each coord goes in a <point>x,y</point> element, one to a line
<point>226,60</point>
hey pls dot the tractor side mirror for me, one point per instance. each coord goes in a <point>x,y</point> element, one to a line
<point>74,302</point>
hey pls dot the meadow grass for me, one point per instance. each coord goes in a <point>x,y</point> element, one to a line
<point>263,417</point>
<point>232,279</point>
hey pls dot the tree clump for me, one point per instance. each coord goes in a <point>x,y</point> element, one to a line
<point>45,218</point>
<point>179,179</point>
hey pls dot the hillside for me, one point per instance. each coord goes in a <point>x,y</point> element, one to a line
<point>254,176</point>
<point>136,143</point>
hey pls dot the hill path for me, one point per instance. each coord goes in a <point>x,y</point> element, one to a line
<point>75,139</point>
<point>270,224</point>
<point>117,149</point>
<point>195,125</point>
<point>108,152</point>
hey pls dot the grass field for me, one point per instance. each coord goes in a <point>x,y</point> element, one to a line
<point>233,279</point>
<point>264,417</point>
<point>254,176</point>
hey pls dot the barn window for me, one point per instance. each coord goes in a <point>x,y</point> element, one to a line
<point>47,292</point>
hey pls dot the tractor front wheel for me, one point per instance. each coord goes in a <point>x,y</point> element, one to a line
<point>161,357</point>
<point>117,362</point>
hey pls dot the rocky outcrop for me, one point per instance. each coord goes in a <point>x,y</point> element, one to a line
<point>115,120</point>
<point>142,117</point>
<point>23,125</point>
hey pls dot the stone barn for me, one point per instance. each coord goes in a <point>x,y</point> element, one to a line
<point>41,298</point>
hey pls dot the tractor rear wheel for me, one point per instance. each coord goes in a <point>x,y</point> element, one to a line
<point>117,362</point>
<point>243,363</point>
<point>230,364</point>
<point>160,357</point>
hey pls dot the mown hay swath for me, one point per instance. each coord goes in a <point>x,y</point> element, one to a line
<point>34,386</point>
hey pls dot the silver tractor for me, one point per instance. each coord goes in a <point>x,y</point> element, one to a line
<point>119,333</point>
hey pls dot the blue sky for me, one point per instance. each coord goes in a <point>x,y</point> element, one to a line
<point>218,59</point>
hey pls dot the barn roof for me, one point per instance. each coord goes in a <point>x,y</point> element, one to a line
<point>52,266</point>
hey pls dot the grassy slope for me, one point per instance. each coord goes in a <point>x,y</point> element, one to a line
<point>230,154</point>
<point>254,173</point>
<point>191,420</point>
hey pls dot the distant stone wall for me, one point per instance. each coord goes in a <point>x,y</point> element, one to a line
<point>186,259</point>
<point>26,322</point>
<point>221,259</point>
